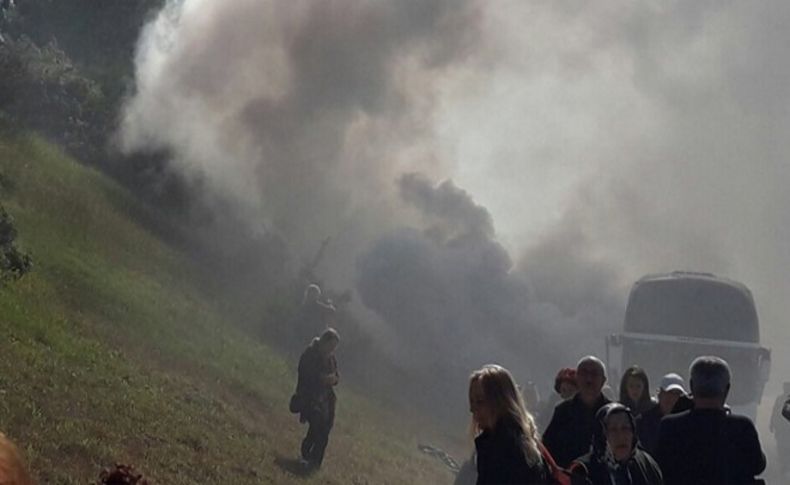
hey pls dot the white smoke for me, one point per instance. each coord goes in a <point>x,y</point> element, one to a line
<point>606,140</point>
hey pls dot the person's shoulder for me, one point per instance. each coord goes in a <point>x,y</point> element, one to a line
<point>676,419</point>
<point>652,411</point>
<point>645,457</point>
<point>740,420</point>
<point>565,406</point>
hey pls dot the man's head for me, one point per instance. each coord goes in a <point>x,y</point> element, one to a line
<point>669,392</point>
<point>328,341</point>
<point>591,376</point>
<point>710,380</point>
<point>311,293</point>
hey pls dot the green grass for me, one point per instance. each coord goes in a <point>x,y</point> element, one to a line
<point>112,351</point>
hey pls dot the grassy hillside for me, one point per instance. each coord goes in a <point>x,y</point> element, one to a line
<point>110,351</point>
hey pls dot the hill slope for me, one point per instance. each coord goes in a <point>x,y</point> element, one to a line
<point>110,351</point>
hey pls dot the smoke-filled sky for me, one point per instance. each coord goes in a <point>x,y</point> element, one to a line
<point>490,172</point>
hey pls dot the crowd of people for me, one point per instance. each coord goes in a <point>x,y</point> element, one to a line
<point>589,436</point>
<point>679,437</point>
<point>583,434</point>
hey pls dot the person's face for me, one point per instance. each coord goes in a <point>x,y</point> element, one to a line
<point>634,387</point>
<point>481,409</point>
<point>590,378</point>
<point>328,346</point>
<point>667,400</point>
<point>567,389</point>
<point>619,436</point>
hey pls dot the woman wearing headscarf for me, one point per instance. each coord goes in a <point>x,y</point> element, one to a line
<point>614,457</point>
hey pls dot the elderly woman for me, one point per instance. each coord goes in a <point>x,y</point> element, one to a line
<point>614,458</point>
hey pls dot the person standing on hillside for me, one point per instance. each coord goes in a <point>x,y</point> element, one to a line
<point>315,398</point>
<point>315,315</point>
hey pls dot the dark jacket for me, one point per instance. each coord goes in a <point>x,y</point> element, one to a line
<point>709,446</point>
<point>641,407</point>
<point>647,426</point>
<point>501,460</point>
<point>786,409</point>
<point>641,469</point>
<point>571,429</point>
<point>315,397</point>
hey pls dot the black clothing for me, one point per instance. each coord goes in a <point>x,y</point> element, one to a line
<point>641,407</point>
<point>315,442</point>
<point>684,404</point>
<point>316,400</point>
<point>786,409</point>
<point>647,426</point>
<point>570,432</point>
<point>641,469</point>
<point>501,460</point>
<point>709,446</point>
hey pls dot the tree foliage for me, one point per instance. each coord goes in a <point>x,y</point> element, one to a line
<point>13,263</point>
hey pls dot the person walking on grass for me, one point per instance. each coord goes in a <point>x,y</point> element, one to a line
<point>315,398</point>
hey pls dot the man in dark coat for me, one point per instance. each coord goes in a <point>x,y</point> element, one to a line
<point>670,392</point>
<point>707,445</point>
<point>570,432</point>
<point>315,397</point>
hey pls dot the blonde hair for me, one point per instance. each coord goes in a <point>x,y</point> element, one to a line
<point>13,470</point>
<point>506,401</point>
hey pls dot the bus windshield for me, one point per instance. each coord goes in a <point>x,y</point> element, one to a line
<point>692,307</point>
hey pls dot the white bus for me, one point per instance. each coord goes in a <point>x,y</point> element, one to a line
<point>672,318</point>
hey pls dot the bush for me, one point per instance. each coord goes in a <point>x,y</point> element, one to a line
<point>13,263</point>
<point>41,89</point>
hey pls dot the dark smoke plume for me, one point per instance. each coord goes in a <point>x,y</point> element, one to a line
<point>607,141</point>
<point>299,113</point>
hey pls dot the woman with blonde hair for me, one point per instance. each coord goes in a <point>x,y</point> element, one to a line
<point>507,442</point>
<point>12,467</point>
